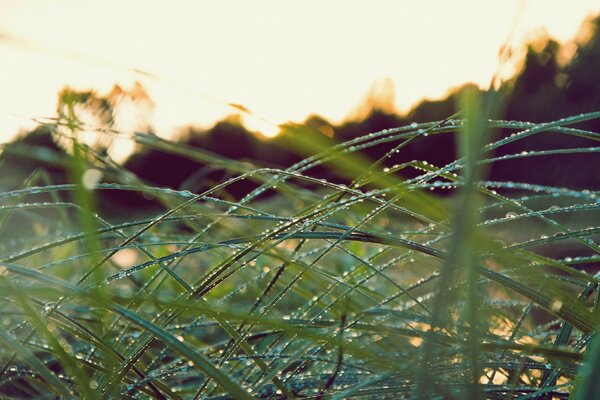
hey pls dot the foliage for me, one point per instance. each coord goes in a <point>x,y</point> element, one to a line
<point>371,286</point>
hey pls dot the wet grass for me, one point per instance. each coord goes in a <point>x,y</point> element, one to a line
<point>379,288</point>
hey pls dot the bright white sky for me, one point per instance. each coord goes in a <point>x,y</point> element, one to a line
<point>281,59</point>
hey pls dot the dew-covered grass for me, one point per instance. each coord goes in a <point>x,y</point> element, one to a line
<point>306,288</point>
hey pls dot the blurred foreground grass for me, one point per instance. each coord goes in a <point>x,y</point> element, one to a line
<point>306,288</point>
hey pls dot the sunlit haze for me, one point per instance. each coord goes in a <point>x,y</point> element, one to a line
<point>282,60</point>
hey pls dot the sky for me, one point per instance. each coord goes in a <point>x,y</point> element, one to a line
<point>282,60</point>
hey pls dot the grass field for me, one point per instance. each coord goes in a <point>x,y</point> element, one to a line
<point>305,288</point>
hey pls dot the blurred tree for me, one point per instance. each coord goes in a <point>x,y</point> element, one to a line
<point>554,81</point>
<point>580,75</point>
<point>33,151</point>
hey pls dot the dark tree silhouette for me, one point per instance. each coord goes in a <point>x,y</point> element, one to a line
<point>546,88</point>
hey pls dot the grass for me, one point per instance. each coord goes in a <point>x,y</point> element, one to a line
<point>376,289</point>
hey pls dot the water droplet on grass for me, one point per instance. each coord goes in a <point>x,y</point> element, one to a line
<point>556,305</point>
<point>91,178</point>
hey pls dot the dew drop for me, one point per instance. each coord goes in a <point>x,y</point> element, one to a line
<point>90,178</point>
<point>556,305</point>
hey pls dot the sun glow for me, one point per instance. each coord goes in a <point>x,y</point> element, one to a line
<point>291,60</point>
